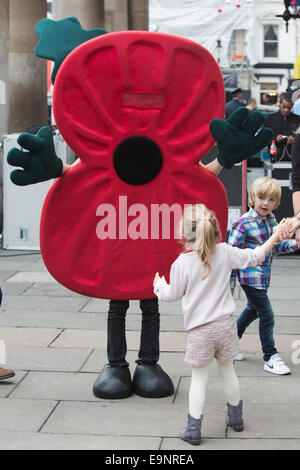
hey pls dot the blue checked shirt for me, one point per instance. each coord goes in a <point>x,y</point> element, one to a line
<point>251,231</point>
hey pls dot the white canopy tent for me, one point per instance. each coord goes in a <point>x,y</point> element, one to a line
<point>200,21</point>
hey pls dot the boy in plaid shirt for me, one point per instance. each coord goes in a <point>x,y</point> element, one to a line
<point>250,231</point>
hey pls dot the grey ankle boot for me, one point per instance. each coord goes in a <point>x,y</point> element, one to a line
<point>235,416</point>
<point>192,433</point>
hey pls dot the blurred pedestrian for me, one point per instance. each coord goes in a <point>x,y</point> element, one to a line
<point>4,373</point>
<point>252,104</point>
<point>235,102</point>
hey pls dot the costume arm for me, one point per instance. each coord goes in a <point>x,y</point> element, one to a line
<point>39,160</point>
<point>240,136</point>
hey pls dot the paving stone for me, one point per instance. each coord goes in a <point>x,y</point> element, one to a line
<point>6,274</point>
<point>33,337</point>
<point>137,419</point>
<point>21,264</point>
<point>61,386</point>
<point>98,321</point>
<point>14,288</point>
<point>47,359</point>
<point>169,341</point>
<point>285,281</point>
<point>281,308</point>
<point>56,386</point>
<point>40,441</point>
<point>51,289</point>
<point>171,362</point>
<point>283,293</point>
<point>42,303</point>
<point>283,325</point>
<point>81,320</point>
<point>36,276</point>
<point>232,444</point>
<point>8,385</point>
<point>24,415</point>
<point>284,343</point>
<point>91,321</point>
<point>269,421</point>
<point>262,390</point>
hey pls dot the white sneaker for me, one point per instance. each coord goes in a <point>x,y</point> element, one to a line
<point>275,365</point>
<point>240,356</point>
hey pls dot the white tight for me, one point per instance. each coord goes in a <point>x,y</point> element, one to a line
<point>199,381</point>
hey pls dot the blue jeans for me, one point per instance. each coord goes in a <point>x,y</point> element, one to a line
<point>258,306</point>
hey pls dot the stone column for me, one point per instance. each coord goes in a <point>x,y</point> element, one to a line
<point>138,15</point>
<point>116,15</point>
<point>122,15</point>
<point>23,84</point>
<point>90,13</point>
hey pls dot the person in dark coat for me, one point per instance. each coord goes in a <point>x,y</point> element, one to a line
<point>284,124</point>
<point>235,102</point>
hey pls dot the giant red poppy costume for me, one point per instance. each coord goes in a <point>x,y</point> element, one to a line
<point>136,108</point>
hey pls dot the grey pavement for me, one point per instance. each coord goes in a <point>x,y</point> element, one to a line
<point>56,343</point>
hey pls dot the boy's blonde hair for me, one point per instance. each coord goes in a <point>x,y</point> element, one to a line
<point>200,228</point>
<point>262,186</point>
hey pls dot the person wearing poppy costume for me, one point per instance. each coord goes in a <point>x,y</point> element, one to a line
<point>139,124</point>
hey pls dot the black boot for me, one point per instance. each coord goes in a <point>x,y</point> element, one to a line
<point>113,383</point>
<point>150,381</point>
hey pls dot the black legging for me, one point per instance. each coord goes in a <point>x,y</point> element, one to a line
<point>116,336</point>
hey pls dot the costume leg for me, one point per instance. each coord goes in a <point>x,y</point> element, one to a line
<point>114,380</point>
<point>116,336</point>
<point>149,346</point>
<point>149,378</point>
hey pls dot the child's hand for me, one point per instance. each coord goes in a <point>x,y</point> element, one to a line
<point>157,278</point>
<point>285,229</point>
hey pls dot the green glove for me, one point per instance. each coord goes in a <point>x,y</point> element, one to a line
<point>59,38</point>
<point>238,138</point>
<point>40,163</point>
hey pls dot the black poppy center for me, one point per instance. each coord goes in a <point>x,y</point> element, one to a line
<point>137,160</point>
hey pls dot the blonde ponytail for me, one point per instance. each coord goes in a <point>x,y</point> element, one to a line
<point>200,230</point>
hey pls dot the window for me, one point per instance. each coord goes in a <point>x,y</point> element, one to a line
<point>237,46</point>
<point>269,93</point>
<point>270,40</point>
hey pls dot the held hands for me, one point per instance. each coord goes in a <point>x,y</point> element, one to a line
<point>238,137</point>
<point>40,163</point>
<point>157,278</point>
<point>285,229</point>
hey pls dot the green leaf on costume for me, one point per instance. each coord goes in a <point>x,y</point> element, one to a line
<point>59,38</point>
